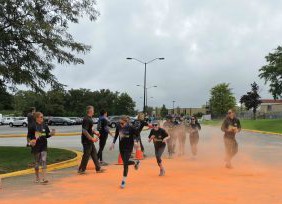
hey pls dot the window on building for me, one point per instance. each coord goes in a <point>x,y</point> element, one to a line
<point>269,107</point>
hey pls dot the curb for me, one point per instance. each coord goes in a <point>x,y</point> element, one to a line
<point>56,135</point>
<point>61,165</point>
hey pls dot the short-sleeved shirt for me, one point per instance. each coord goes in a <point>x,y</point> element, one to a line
<point>159,134</point>
<point>87,124</point>
<point>230,123</point>
<point>40,133</point>
<point>139,125</point>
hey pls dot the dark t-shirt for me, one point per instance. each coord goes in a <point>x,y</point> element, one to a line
<point>40,133</point>
<point>30,119</point>
<point>159,134</point>
<point>229,123</point>
<point>104,125</point>
<point>139,125</point>
<point>87,124</point>
<point>126,135</point>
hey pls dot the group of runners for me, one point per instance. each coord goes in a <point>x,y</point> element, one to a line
<point>129,135</point>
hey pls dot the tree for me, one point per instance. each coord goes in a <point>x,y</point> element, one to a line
<point>34,35</point>
<point>251,100</point>
<point>164,111</point>
<point>221,99</point>
<point>272,72</point>
<point>124,105</point>
<point>6,102</point>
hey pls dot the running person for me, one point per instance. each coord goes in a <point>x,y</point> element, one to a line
<point>38,134</point>
<point>231,126</point>
<point>169,127</point>
<point>194,135</point>
<point>160,137</point>
<point>103,128</point>
<point>181,134</point>
<point>127,137</point>
<point>139,124</point>
<point>30,121</point>
<point>87,140</point>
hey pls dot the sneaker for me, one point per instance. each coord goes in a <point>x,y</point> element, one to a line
<point>37,181</point>
<point>44,181</point>
<point>81,172</point>
<point>228,165</point>
<point>102,163</point>
<point>137,165</point>
<point>101,171</point>
<point>162,172</point>
<point>122,185</point>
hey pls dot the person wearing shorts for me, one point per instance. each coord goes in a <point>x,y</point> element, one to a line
<point>38,134</point>
<point>194,129</point>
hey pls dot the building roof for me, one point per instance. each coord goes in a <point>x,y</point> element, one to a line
<point>272,101</point>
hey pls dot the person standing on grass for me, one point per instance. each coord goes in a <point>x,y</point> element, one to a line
<point>38,134</point>
<point>160,137</point>
<point>230,126</point>
<point>103,128</point>
<point>193,130</point>
<point>30,121</point>
<point>127,138</point>
<point>87,140</point>
<point>139,124</point>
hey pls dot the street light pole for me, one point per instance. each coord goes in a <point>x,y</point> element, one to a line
<point>173,106</point>
<point>145,76</point>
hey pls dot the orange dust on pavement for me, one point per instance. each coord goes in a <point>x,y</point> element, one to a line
<point>186,181</point>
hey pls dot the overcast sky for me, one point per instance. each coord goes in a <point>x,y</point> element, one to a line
<point>204,43</point>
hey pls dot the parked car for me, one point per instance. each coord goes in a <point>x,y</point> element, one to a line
<point>60,121</point>
<point>22,121</point>
<point>8,120</point>
<point>113,121</point>
<point>95,120</point>
<point>77,120</point>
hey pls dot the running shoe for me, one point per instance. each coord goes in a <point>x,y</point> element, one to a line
<point>122,185</point>
<point>102,163</point>
<point>81,172</point>
<point>44,181</point>
<point>101,171</point>
<point>137,165</point>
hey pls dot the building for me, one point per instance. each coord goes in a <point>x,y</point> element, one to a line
<point>270,106</point>
<point>187,111</point>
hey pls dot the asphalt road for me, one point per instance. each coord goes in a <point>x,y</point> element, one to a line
<point>262,148</point>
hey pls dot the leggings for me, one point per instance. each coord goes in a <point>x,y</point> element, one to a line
<point>125,155</point>
<point>102,143</point>
<point>40,160</point>
<point>159,150</point>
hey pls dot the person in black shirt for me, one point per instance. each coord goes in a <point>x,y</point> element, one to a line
<point>160,137</point>
<point>194,128</point>
<point>30,121</point>
<point>103,128</point>
<point>230,126</point>
<point>87,140</point>
<point>139,124</point>
<point>127,138</point>
<point>38,134</point>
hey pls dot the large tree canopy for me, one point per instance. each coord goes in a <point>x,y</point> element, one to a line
<point>34,35</point>
<point>272,72</point>
<point>221,99</point>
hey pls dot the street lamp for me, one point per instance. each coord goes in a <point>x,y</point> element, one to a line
<point>173,105</point>
<point>146,104</point>
<point>145,75</point>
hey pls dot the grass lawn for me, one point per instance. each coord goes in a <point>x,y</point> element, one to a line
<point>20,158</point>
<point>268,125</point>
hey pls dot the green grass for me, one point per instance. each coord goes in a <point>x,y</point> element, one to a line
<point>20,158</point>
<point>268,125</point>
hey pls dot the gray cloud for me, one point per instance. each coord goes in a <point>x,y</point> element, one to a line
<point>204,43</point>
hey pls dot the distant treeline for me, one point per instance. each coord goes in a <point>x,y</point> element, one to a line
<point>68,102</point>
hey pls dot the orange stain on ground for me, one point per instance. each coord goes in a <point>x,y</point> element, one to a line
<point>186,181</point>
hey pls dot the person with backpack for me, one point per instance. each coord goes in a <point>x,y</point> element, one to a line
<point>103,128</point>
<point>127,135</point>
<point>193,130</point>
